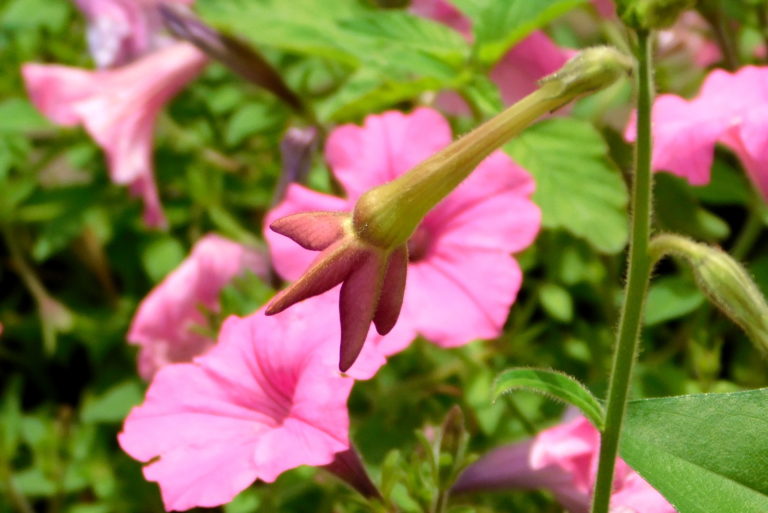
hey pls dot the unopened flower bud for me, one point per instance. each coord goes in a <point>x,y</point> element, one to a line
<point>652,14</point>
<point>724,281</point>
<point>233,53</point>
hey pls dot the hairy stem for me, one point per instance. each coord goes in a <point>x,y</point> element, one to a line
<point>639,267</point>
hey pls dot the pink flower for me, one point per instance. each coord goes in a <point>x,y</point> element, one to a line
<point>267,398</point>
<point>731,109</point>
<point>462,278</point>
<point>169,324</point>
<point>690,35</point>
<point>118,109</point>
<point>605,8</point>
<point>517,72</point>
<point>562,459</point>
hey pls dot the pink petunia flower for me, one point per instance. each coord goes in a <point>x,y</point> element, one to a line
<point>117,105</point>
<point>267,398</point>
<point>118,109</point>
<point>462,278</point>
<point>169,324</point>
<point>563,460</point>
<point>731,109</point>
<point>517,72</point>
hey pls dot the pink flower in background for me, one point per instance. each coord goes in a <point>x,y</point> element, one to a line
<point>462,278</point>
<point>267,398</point>
<point>118,106</point>
<point>120,31</point>
<point>731,109</point>
<point>562,459</point>
<point>690,35</point>
<point>169,324</point>
<point>605,7</point>
<point>517,72</point>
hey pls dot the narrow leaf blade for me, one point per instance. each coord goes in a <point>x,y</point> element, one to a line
<point>553,384</point>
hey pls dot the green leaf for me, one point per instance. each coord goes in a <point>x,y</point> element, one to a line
<point>553,384</point>
<point>497,25</point>
<point>112,405</point>
<point>671,297</point>
<point>18,115</point>
<point>300,26</point>
<point>704,453</point>
<point>400,29</point>
<point>161,255</point>
<point>252,119</point>
<point>577,188</point>
<point>556,301</point>
<point>678,211</point>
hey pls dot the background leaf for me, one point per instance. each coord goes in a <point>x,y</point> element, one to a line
<point>704,453</point>
<point>577,188</point>
<point>499,25</point>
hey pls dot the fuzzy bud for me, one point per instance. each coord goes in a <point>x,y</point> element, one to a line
<point>724,281</point>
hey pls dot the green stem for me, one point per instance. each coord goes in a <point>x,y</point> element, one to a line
<point>637,282</point>
<point>749,232</point>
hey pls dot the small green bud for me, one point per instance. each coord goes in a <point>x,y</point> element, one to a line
<point>652,14</point>
<point>724,281</point>
<point>588,71</point>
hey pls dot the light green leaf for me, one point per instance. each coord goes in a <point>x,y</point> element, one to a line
<point>671,297</point>
<point>160,256</point>
<point>18,115</point>
<point>497,25</point>
<point>396,28</point>
<point>556,301</point>
<point>704,453</point>
<point>300,26</point>
<point>553,384</point>
<point>112,405</point>
<point>577,188</point>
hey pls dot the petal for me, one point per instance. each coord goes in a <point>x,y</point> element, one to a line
<point>750,143</point>
<point>392,292</point>
<point>386,146</point>
<point>490,210</point>
<point>289,259</point>
<point>314,231</point>
<point>638,496</point>
<point>358,303</point>
<point>263,400</point>
<point>120,116</point>
<point>496,174</point>
<point>164,324</point>
<point>458,295</point>
<point>55,90</point>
